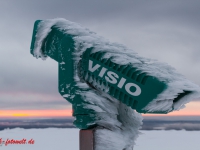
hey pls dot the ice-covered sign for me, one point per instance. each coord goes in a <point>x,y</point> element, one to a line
<point>105,82</point>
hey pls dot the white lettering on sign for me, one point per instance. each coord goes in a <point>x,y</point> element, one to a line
<point>102,72</point>
<point>121,82</point>
<point>137,91</point>
<point>113,77</point>
<point>92,69</point>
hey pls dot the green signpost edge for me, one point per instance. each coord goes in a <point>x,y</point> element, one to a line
<point>60,46</point>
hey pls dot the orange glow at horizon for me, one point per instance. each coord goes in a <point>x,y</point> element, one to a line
<point>192,109</point>
<point>36,113</point>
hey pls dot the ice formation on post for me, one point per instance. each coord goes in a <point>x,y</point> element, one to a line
<point>106,82</point>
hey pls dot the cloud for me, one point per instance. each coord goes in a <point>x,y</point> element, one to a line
<point>32,101</point>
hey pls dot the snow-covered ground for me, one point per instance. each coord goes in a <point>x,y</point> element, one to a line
<point>68,139</point>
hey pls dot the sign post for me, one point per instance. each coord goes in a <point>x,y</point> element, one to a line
<point>86,139</point>
<point>106,83</point>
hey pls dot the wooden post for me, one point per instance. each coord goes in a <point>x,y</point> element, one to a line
<point>86,139</point>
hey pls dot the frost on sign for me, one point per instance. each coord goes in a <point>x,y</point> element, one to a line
<point>97,77</point>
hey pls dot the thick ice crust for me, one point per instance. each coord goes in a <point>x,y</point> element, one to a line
<point>176,83</point>
<point>121,123</point>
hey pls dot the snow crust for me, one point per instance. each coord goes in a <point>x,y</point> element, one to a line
<point>120,123</point>
<point>176,83</point>
<point>116,119</point>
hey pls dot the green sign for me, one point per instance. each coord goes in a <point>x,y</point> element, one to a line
<point>126,83</point>
<point>123,82</point>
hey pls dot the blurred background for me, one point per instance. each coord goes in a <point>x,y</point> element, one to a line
<point>168,31</point>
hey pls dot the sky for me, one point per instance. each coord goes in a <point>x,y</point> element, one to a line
<point>167,30</point>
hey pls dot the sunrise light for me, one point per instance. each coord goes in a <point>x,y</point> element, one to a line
<point>35,113</point>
